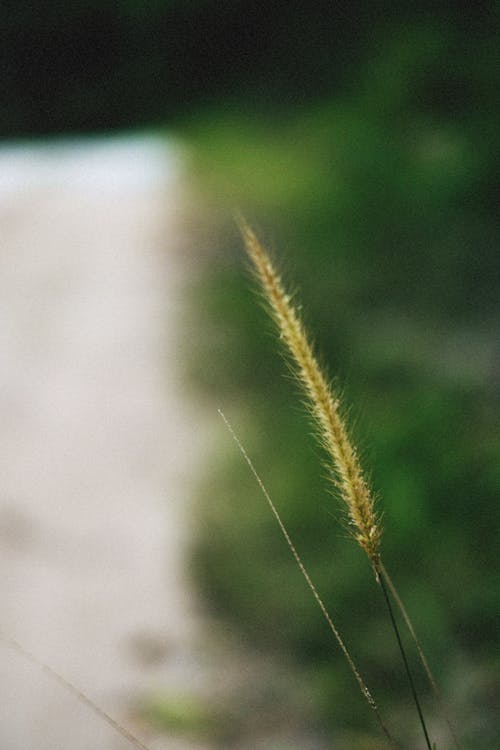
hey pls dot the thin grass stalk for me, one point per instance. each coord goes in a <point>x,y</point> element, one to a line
<point>405,661</point>
<point>357,675</point>
<point>80,696</point>
<point>406,617</point>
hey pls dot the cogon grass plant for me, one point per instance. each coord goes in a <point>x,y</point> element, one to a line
<point>343,464</point>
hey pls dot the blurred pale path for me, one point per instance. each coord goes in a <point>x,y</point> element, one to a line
<point>98,441</point>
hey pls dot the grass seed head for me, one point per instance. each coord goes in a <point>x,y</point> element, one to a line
<point>324,405</point>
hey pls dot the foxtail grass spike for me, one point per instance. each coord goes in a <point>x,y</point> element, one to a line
<point>324,404</point>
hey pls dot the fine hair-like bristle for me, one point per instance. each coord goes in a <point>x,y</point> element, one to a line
<point>348,476</point>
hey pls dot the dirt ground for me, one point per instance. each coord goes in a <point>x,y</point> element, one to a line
<point>99,441</point>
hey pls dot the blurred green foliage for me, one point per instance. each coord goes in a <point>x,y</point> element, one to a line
<point>383,207</point>
<point>178,714</point>
<point>364,137</point>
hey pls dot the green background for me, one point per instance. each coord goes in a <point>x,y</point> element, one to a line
<point>361,139</point>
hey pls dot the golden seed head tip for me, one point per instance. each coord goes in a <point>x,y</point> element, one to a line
<point>323,403</point>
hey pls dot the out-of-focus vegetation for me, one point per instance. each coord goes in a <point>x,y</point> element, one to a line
<point>363,139</point>
<point>381,203</point>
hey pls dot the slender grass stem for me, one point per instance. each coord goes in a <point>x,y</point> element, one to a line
<point>406,617</point>
<point>76,692</point>
<point>383,586</point>
<point>361,683</point>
